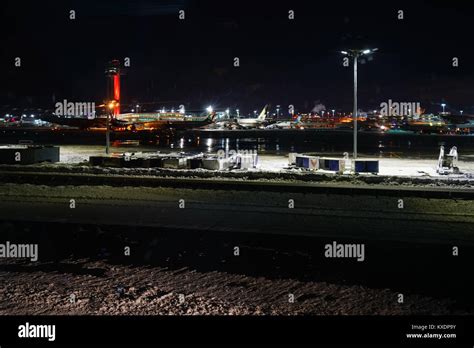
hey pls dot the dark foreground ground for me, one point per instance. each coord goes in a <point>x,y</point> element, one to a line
<point>189,272</point>
<point>183,244</point>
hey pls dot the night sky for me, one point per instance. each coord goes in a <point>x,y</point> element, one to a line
<point>282,61</point>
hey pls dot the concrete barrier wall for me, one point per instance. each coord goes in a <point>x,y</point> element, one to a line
<point>28,154</point>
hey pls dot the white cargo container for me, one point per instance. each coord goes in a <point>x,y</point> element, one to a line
<point>214,163</point>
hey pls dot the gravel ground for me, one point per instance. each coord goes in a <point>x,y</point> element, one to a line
<point>173,272</point>
<point>102,288</point>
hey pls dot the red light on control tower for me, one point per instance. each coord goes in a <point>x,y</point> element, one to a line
<point>117,93</point>
<point>113,73</point>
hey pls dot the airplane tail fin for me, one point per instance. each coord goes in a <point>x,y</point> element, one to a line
<point>263,114</point>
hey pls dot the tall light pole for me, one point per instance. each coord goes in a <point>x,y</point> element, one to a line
<point>112,105</point>
<point>355,54</point>
<point>443,105</point>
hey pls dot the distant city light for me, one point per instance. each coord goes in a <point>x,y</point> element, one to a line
<point>209,108</point>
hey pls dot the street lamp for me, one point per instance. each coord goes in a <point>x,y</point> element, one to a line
<point>333,111</point>
<point>355,54</point>
<point>461,111</point>
<point>111,107</point>
<point>443,105</point>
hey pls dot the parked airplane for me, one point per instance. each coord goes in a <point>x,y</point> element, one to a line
<point>253,122</point>
<point>161,120</point>
<point>285,124</point>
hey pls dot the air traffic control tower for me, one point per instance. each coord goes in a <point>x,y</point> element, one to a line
<point>113,73</point>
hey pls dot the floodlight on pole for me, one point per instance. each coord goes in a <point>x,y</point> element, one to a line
<point>355,54</point>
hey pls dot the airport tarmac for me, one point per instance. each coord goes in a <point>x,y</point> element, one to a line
<point>389,166</point>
